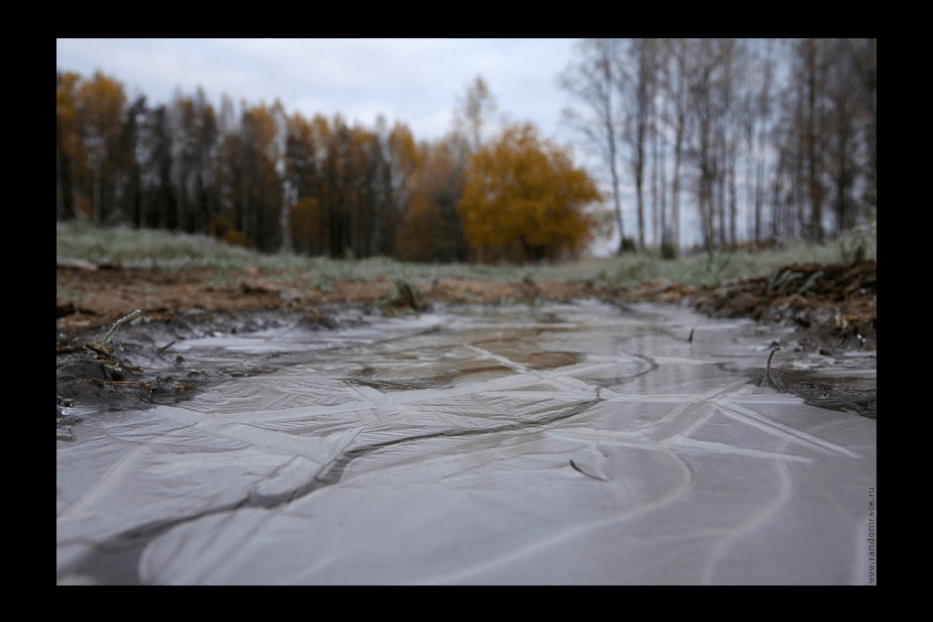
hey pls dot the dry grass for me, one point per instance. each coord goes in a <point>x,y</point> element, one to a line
<point>178,251</point>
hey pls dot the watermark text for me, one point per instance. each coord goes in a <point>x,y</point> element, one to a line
<point>871,540</point>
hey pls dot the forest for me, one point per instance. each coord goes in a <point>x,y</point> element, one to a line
<point>688,130</point>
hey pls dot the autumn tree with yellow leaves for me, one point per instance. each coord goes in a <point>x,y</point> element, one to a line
<point>524,200</point>
<point>89,126</point>
<point>431,229</point>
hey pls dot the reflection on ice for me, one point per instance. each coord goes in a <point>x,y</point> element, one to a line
<point>576,444</point>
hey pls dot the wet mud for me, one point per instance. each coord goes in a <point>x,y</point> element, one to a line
<point>831,308</point>
<point>145,367</point>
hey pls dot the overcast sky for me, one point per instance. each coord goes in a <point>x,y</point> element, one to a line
<point>417,81</point>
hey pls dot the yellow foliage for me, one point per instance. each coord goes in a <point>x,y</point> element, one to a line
<point>235,237</point>
<point>408,157</point>
<point>261,125</point>
<point>66,102</point>
<point>99,103</point>
<point>83,207</point>
<point>430,230</point>
<point>223,228</point>
<point>305,220</point>
<point>523,192</point>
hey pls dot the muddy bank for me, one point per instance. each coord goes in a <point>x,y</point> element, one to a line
<point>832,308</point>
<point>141,367</point>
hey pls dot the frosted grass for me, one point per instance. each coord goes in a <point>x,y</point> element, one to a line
<point>177,250</point>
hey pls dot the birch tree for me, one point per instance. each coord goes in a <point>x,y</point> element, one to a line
<point>476,112</point>
<point>591,80</point>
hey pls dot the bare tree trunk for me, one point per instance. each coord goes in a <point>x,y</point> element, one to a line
<point>675,199</point>
<point>733,209</point>
<point>654,184</point>
<point>680,103</point>
<point>643,50</point>
<point>592,81</point>
<point>813,144</point>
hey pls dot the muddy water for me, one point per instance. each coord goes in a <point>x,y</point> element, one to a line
<point>577,443</point>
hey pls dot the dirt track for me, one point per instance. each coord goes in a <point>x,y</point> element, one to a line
<point>833,307</point>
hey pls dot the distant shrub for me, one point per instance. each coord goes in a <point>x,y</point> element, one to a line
<point>223,228</point>
<point>235,237</point>
<point>629,245</point>
<point>668,248</point>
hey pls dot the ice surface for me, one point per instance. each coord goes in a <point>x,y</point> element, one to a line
<point>574,443</point>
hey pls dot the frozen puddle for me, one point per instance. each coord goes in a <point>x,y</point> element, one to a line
<point>565,444</point>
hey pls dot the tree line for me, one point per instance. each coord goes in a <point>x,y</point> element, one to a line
<point>785,127</point>
<point>260,177</point>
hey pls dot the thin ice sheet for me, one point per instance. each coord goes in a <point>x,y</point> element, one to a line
<point>569,444</point>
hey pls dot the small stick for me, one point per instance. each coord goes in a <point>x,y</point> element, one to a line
<point>165,347</point>
<point>125,318</point>
<point>768,373</point>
